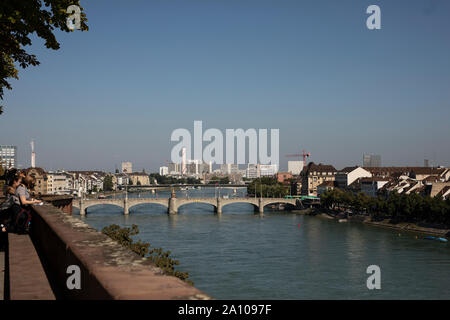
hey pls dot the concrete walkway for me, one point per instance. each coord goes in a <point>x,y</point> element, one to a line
<point>2,274</point>
<point>27,277</point>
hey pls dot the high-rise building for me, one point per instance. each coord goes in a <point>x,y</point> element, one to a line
<point>174,168</point>
<point>33,155</point>
<point>163,171</point>
<point>295,167</point>
<point>183,161</point>
<point>371,161</point>
<point>8,156</point>
<point>127,167</point>
<point>426,163</point>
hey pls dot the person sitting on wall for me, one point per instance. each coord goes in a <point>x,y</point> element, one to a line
<point>23,191</point>
<point>11,207</point>
<point>23,219</point>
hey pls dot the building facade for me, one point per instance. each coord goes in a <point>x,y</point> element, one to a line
<point>371,160</point>
<point>295,167</point>
<point>348,175</point>
<point>127,167</point>
<point>370,186</point>
<point>8,156</point>
<point>58,182</point>
<point>139,178</point>
<point>163,171</point>
<point>315,174</point>
<point>267,170</point>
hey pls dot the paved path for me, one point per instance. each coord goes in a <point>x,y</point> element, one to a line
<point>2,273</point>
<point>27,276</point>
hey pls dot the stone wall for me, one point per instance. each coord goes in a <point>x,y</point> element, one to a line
<point>107,269</point>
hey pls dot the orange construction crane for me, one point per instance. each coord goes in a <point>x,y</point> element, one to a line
<point>303,154</point>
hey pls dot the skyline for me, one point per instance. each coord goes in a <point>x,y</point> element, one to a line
<point>144,69</point>
<point>280,167</point>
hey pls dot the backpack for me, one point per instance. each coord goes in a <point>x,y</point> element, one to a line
<point>5,205</point>
<point>22,221</point>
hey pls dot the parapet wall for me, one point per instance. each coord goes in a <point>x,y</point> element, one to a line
<point>107,269</point>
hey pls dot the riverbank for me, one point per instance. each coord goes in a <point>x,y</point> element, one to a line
<point>386,223</point>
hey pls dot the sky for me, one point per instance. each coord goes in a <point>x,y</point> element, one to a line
<point>311,69</point>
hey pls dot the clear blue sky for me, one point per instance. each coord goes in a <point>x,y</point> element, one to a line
<point>310,68</point>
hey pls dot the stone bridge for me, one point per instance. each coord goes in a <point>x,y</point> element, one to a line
<point>173,204</point>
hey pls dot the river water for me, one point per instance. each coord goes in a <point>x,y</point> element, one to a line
<point>283,255</point>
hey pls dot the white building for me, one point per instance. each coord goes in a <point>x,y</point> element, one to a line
<point>267,170</point>
<point>348,175</point>
<point>252,171</point>
<point>8,157</point>
<point>85,181</point>
<point>295,167</point>
<point>127,167</point>
<point>174,168</point>
<point>163,171</point>
<point>58,182</point>
<point>229,168</point>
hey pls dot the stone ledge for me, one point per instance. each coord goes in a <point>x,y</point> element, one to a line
<point>108,270</point>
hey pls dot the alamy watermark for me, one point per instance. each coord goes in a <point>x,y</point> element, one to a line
<point>373,22</point>
<point>74,280</point>
<point>74,20</point>
<point>374,280</point>
<point>213,152</point>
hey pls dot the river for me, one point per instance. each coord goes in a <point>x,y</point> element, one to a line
<point>240,255</point>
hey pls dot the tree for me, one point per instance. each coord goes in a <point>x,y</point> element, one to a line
<point>107,183</point>
<point>21,18</point>
<point>160,258</point>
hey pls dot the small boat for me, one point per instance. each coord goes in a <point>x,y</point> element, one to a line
<point>435,238</point>
<point>342,220</point>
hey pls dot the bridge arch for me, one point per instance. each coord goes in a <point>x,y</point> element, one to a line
<point>290,202</point>
<point>243,201</point>
<point>152,205</point>
<point>185,202</point>
<point>88,208</point>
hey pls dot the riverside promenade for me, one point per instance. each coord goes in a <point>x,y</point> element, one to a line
<point>38,266</point>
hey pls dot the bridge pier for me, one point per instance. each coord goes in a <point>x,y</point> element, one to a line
<point>126,211</point>
<point>173,208</point>
<point>218,208</point>
<point>261,207</point>
<point>82,207</point>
